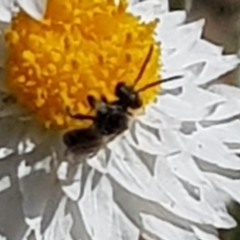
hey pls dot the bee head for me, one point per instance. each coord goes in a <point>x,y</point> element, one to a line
<point>127,96</point>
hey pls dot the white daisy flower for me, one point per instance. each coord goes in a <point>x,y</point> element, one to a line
<point>169,176</point>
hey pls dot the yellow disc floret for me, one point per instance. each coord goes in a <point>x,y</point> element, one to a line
<point>80,48</point>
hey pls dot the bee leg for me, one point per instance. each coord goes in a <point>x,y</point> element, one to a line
<point>79,116</point>
<point>104,99</point>
<point>91,101</point>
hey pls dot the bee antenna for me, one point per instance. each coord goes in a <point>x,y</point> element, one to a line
<point>144,65</point>
<point>158,82</point>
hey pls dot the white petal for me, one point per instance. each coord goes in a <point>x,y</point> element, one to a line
<point>172,19</point>
<point>164,229</point>
<point>73,190</point>
<point>6,10</point>
<point>227,91</point>
<point>149,10</point>
<point>5,152</point>
<point>99,211</point>
<point>224,111</point>
<point>208,148</point>
<point>177,38</point>
<point>230,186</point>
<point>123,227</point>
<point>204,235</point>
<point>199,97</point>
<point>226,132</point>
<point>182,110</point>
<point>61,224</point>
<point>184,204</point>
<point>133,175</point>
<point>216,68</point>
<point>188,171</point>
<point>35,8</point>
<point>5,183</point>
<point>147,139</point>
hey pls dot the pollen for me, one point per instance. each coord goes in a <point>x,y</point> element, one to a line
<point>80,48</point>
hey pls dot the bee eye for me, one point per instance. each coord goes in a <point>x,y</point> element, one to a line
<point>120,89</point>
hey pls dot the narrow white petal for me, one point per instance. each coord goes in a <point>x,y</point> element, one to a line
<point>149,10</point>
<point>148,140</point>
<point>73,191</point>
<point>181,110</point>
<point>35,8</point>
<point>23,169</point>
<point>133,175</point>
<point>184,204</point>
<point>226,90</point>
<point>6,10</point>
<point>177,38</point>
<point>171,19</point>
<point>208,47</point>
<point>97,208</point>
<point>164,229</point>
<point>123,227</point>
<point>60,226</point>
<point>5,152</point>
<point>216,68</point>
<point>224,111</point>
<point>204,235</point>
<point>198,97</point>
<point>5,183</point>
<point>188,171</point>
<point>226,132</point>
<point>230,186</point>
<point>208,148</point>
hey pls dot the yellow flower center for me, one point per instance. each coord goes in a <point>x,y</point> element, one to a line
<point>80,48</point>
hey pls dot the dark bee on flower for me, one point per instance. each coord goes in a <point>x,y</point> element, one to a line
<point>112,118</point>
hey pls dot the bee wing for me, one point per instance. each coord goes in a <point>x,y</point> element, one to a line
<point>82,143</point>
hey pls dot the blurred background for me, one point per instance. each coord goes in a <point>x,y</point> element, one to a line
<point>222,28</point>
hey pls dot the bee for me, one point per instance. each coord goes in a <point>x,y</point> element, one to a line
<point>111,119</point>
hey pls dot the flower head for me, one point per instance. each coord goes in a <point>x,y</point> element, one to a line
<point>170,176</point>
<point>80,48</point>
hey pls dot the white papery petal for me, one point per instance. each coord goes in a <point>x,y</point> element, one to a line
<point>185,205</point>
<point>179,37</point>
<point>149,10</point>
<point>226,132</point>
<point>227,91</point>
<point>198,97</point>
<point>6,10</point>
<point>164,229</point>
<point>217,67</point>
<point>133,175</point>
<point>208,148</point>
<point>102,218</point>
<point>230,186</point>
<point>182,110</point>
<point>5,183</point>
<point>147,139</point>
<point>123,227</point>
<point>61,224</point>
<point>227,110</point>
<point>5,152</point>
<point>190,174</point>
<point>152,177</point>
<point>204,235</point>
<point>73,190</point>
<point>35,8</point>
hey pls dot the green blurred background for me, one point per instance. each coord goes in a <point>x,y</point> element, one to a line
<point>222,28</point>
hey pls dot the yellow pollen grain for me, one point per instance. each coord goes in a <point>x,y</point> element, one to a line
<point>80,48</point>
